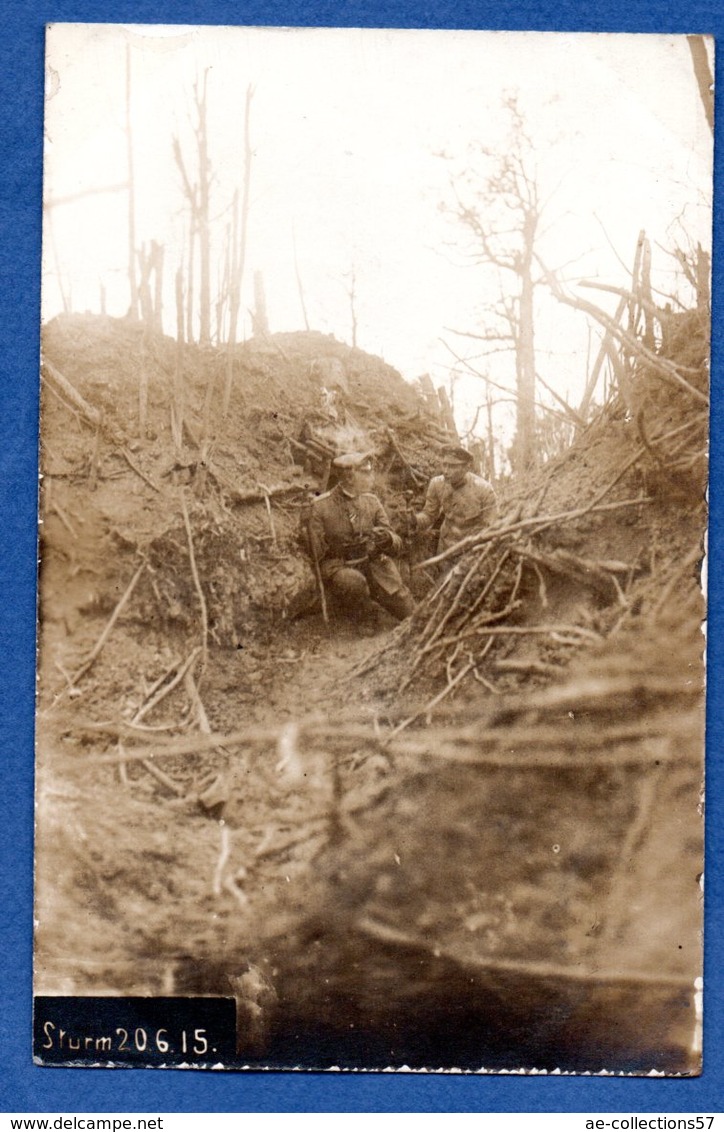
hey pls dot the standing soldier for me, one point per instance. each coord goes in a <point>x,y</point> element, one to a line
<point>465,500</point>
<point>350,539</point>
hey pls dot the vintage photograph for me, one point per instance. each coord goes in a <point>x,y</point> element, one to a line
<point>373,451</point>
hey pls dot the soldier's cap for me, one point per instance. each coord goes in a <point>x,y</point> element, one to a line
<point>352,461</point>
<point>457,453</point>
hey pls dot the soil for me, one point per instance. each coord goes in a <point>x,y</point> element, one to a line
<point>510,879</point>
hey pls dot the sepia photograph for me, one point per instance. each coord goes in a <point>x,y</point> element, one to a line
<point>374,435</point>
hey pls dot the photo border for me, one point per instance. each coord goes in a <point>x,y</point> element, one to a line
<point>29,1088</point>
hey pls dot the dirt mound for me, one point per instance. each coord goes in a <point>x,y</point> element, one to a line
<point>171,574</point>
<point>116,459</point>
<point>471,841</point>
<point>528,845</point>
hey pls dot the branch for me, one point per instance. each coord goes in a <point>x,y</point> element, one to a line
<point>666,368</point>
<point>480,337</point>
<point>628,295</point>
<point>480,537</point>
<point>53,202</point>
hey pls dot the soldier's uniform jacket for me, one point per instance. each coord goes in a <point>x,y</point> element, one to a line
<point>470,507</point>
<point>340,528</point>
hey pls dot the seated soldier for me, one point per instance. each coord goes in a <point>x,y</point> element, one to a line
<point>350,537</point>
<point>465,500</point>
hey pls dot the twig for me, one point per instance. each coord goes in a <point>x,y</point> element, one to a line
<point>56,381</point>
<point>627,295</point>
<point>667,369</point>
<point>494,533</point>
<point>454,604</point>
<point>267,503</point>
<point>434,701</point>
<point>161,777</point>
<point>542,588</point>
<point>224,852</point>
<point>573,745</point>
<point>694,556</point>
<point>534,666</point>
<point>139,471</point>
<point>489,619</point>
<point>95,651</point>
<point>193,694</point>
<point>270,848</point>
<point>197,583</point>
<point>54,506</point>
<point>418,477</point>
<point>521,630</point>
<point>164,691</point>
<point>478,675</point>
<point>482,596</point>
<point>393,641</point>
<point>72,690</point>
<point>247,497</point>
<point>122,769</point>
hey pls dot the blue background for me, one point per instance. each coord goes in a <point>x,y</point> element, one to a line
<point>24,1087</point>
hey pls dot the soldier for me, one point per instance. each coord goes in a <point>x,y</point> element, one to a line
<point>465,500</point>
<point>350,538</point>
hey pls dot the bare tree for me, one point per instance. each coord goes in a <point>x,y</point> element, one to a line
<point>133,309</point>
<point>703,75</point>
<point>259,317</point>
<point>500,209</point>
<point>298,275</point>
<point>239,231</point>
<point>350,286</point>
<point>198,195</point>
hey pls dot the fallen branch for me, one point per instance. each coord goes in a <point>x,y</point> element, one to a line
<point>224,853</point>
<point>160,694</point>
<point>60,384</point>
<point>161,777</point>
<point>537,667</point>
<point>497,532</point>
<point>570,742</point>
<point>386,934</point>
<point>139,471</point>
<point>454,604</point>
<point>665,368</point>
<point>97,648</point>
<point>418,477</point>
<point>55,379</point>
<point>245,497</point>
<point>269,848</point>
<point>693,557</point>
<point>270,516</point>
<point>53,507</point>
<point>628,296</point>
<point>435,699</point>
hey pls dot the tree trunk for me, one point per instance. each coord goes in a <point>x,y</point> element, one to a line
<point>259,318</point>
<point>190,284</point>
<point>238,255</point>
<point>177,409</point>
<point>133,308</point>
<point>204,233</point>
<point>525,348</point>
<point>703,272</point>
<point>145,261</point>
<point>491,437</point>
<point>300,288</point>
<point>703,74</point>
<point>157,253</point>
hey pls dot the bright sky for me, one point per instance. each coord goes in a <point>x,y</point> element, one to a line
<point>346,126</point>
